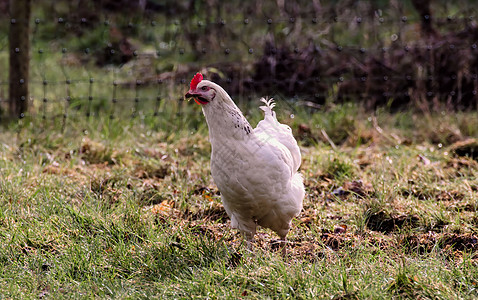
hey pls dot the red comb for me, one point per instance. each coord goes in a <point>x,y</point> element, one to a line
<point>196,79</point>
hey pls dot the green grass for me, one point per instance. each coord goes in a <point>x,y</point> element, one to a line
<point>125,207</point>
<point>128,209</point>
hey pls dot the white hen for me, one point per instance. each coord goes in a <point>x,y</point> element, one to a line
<point>256,170</point>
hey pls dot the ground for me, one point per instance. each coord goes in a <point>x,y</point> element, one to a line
<point>130,210</point>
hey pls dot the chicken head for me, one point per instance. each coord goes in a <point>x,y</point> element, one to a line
<point>200,91</point>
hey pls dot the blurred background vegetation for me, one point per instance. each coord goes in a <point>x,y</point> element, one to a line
<point>115,58</point>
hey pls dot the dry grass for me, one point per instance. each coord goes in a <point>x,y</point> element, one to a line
<point>129,214</point>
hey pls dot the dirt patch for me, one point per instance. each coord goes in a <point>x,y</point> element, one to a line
<point>461,165</point>
<point>424,193</point>
<point>419,243</point>
<point>466,148</point>
<point>452,195</point>
<point>461,242</point>
<point>467,207</point>
<point>448,242</point>
<point>384,222</point>
<point>108,188</point>
<point>214,213</point>
<point>204,190</point>
<point>151,171</point>
<point>211,232</point>
<point>356,187</point>
<point>336,241</point>
<point>96,153</point>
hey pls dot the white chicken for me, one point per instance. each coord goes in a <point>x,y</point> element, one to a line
<point>256,170</point>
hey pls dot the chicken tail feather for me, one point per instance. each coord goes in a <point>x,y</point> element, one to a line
<point>268,107</point>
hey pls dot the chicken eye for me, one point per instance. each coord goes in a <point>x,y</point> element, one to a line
<point>204,88</point>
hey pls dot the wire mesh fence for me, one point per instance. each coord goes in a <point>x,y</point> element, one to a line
<point>133,58</point>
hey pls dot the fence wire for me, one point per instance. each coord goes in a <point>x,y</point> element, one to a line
<point>89,60</point>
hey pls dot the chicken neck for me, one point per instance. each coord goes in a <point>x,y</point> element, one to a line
<point>226,121</point>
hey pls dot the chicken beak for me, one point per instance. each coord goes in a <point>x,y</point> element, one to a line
<point>195,96</point>
<point>189,95</point>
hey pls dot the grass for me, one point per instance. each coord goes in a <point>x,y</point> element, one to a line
<point>125,207</point>
<point>122,209</point>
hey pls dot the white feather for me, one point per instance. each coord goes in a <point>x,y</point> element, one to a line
<point>256,170</point>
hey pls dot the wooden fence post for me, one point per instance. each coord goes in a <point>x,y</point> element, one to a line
<point>19,44</point>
